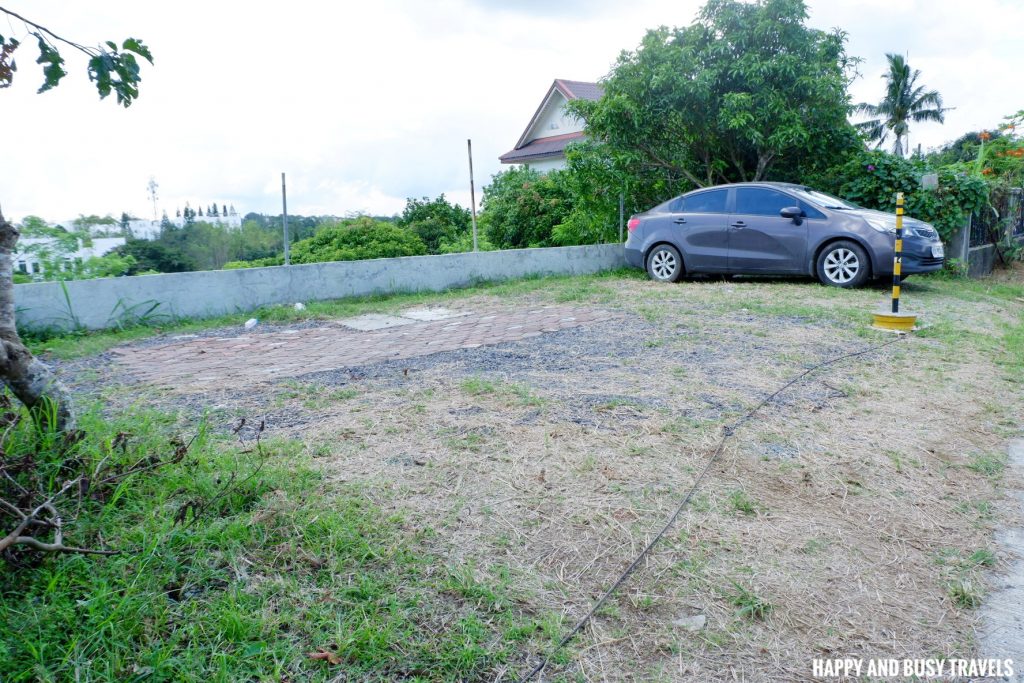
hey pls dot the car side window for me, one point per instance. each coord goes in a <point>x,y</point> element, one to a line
<point>712,201</point>
<point>810,211</point>
<point>675,205</point>
<point>760,201</point>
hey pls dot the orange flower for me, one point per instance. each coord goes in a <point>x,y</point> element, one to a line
<point>985,135</point>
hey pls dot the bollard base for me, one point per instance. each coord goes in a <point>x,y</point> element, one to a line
<point>895,322</point>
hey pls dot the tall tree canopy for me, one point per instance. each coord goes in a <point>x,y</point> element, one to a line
<point>745,88</point>
<point>904,101</point>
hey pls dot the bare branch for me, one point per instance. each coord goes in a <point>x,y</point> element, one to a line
<point>90,51</point>
<point>46,515</point>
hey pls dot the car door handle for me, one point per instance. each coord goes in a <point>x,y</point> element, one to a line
<point>739,224</point>
<point>679,221</point>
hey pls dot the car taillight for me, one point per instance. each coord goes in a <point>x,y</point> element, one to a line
<point>633,224</point>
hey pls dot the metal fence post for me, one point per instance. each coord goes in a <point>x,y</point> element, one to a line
<point>622,214</point>
<point>472,192</point>
<point>284,221</point>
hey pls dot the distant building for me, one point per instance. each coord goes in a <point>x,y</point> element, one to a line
<point>542,145</point>
<point>26,256</point>
<point>215,214</point>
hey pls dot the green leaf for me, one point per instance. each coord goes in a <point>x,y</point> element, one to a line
<point>53,69</point>
<point>100,67</point>
<point>136,46</point>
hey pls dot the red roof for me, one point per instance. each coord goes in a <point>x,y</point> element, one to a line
<point>540,148</point>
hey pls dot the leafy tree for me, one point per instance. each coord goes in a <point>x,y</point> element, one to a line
<point>904,101</point>
<point>873,178</point>
<point>746,88</point>
<point>522,207</point>
<point>436,222</point>
<point>153,256</point>
<point>464,242</point>
<point>111,69</point>
<point>98,226</point>
<point>355,239</point>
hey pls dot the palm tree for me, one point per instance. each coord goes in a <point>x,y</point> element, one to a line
<point>904,101</point>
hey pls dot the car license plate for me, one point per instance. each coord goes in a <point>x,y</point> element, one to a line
<point>938,251</point>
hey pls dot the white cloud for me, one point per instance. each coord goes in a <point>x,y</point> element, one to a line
<point>366,104</point>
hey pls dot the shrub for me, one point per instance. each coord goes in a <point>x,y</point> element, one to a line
<point>355,239</point>
<point>255,263</point>
<point>436,222</point>
<point>464,242</point>
<point>522,207</point>
<point>873,178</point>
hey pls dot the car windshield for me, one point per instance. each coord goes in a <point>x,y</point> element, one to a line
<point>823,200</point>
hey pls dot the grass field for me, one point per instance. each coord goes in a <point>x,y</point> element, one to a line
<point>451,521</point>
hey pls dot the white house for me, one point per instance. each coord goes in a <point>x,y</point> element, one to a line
<point>542,145</point>
<point>27,253</point>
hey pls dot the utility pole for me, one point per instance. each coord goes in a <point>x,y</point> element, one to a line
<point>152,186</point>
<point>284,220</point>
<point>472,192</point>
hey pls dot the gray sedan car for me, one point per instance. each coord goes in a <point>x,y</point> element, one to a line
<point>776,229</point>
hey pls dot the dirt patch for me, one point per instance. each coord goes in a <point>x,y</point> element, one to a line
<point>836,523</point>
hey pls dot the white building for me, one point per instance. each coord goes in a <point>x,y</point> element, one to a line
<point>29,250</point>
<point>542,145</point>
<point>224,214</point>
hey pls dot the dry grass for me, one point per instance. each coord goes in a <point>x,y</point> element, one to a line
<point>833,524</point>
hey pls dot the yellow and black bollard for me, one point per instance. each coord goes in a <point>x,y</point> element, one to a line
<point>894,320</point>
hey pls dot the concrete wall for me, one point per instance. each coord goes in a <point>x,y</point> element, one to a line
<point>545,165</point>
<point>981,261</point>
<point>100,303</point>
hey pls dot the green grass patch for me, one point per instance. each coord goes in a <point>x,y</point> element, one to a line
<point>280,565</point>
<point>982,558</point>
<point>748,604</point>
<point>740,502</point>
<point>476,386</point>
<point>965,593</point>
<point>988,464</point>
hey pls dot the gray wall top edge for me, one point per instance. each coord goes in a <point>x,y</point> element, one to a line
<point>299,267</point>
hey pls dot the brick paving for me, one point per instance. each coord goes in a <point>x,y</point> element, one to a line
<point>256,358</point>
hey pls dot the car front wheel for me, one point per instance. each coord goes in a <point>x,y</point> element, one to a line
<point>664,263</point>
<point>843,264</point>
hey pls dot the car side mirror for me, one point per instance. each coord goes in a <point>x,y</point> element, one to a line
<point>793,212</point>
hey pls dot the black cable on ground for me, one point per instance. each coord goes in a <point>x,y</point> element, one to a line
<point>727,432</point>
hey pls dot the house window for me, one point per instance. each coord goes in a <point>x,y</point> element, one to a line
<point>35,267</point>
<point>23,267</point>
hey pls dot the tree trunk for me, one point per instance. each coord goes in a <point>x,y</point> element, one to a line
<point>763,160</point>
<point>28,378</point>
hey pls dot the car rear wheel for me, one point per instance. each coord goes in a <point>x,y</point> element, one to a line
<point>664,263</point>
<point>843,264</point>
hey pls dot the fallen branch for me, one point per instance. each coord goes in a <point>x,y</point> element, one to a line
<point>35,519</point>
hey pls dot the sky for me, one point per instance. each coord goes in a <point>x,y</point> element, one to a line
<point>365,104</point>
